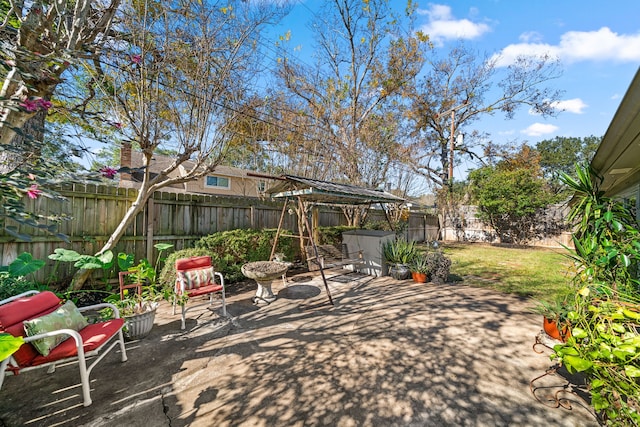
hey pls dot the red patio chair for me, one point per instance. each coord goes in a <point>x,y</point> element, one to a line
<point>76,342</point>
<point>196,276</point>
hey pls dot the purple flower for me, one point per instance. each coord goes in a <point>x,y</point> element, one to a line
<point>33,192</point>
<point>136,59</point>
<point>108,172</point>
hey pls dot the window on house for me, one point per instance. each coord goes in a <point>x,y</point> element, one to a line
<point>631,200</point>
<point>217,182</point>
<point>262,186</point>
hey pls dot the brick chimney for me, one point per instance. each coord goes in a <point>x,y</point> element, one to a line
<point>125,160</point>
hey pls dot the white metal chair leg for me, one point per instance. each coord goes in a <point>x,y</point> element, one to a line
<point>3,368</point>
<point>84,376</point>
<point>184,311</point>
<point>123,350</point>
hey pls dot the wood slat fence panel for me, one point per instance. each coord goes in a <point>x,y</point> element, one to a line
<point>176,218</point>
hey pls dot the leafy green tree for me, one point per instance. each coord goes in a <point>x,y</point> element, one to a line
<point>462,86</point>
<point>511,195</point>
<point>559,155</point>
<point>175,81</point>
<point>40,41</point>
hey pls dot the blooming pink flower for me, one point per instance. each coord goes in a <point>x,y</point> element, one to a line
<point>33,192</point>
<point>30,105</point>
<point>136,59</point>
<point>32,177</point>
<point>108,172</point>
<point>44,104</point>
<point>34,104</point>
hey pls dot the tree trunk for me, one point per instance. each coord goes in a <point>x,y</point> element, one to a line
<point>144,193</point>
<point>25,145</point>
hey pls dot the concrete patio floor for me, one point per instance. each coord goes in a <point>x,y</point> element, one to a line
<point>388,353</point>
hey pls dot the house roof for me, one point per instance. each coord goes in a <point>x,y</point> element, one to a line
<point>160,162</point>
<point>618,157</point>
<point>325,192</point>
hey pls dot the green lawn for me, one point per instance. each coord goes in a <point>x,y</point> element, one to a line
<point>531,272</point>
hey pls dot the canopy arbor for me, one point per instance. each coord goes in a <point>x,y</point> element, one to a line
<point>317,192</point>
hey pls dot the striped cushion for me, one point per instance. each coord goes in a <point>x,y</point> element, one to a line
<point>196,278</point>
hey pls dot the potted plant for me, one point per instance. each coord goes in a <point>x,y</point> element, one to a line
<point>419,268</point>
<point>399,254</point>
<point>554,313</point>
<point>139,294</point>
<point>138,309</point>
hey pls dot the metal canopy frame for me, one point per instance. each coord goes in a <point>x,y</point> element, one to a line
<point>329,193</point>
<point>319,192</point>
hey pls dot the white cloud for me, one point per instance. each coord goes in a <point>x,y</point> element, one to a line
<point>530,37</point>
<point>616,96</point>
<point>443,25</point>
<point>575,105</point>
<point>539,129</point>
<point>575,46</point>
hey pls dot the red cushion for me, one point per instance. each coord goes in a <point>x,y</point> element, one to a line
<point>13,314</point>
<point>93,336</point>
<point>183,264</point>
<point>27,308</point>
<point>26,353</point>
<point>204,290</point>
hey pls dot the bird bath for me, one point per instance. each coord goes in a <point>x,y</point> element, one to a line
<point>264,273</point>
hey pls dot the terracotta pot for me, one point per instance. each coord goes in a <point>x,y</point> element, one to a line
<point>551,328</point>
<point>419,277</point>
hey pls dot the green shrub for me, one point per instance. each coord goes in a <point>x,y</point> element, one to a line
<point>605,317</point>
<point>377,225</point>
<point>168,272</point>
<point>10,286</point>
<point>399,251</point>
<point>333,235</point>
<point>233,248</point>
<point>12,276</point>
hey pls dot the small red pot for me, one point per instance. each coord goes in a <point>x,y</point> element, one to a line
<point>551,328</point>
<point>419,277</point>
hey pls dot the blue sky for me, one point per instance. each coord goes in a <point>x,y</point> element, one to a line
<point>597,43</point>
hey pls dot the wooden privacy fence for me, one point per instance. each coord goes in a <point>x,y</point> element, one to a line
<point>176,218</point>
